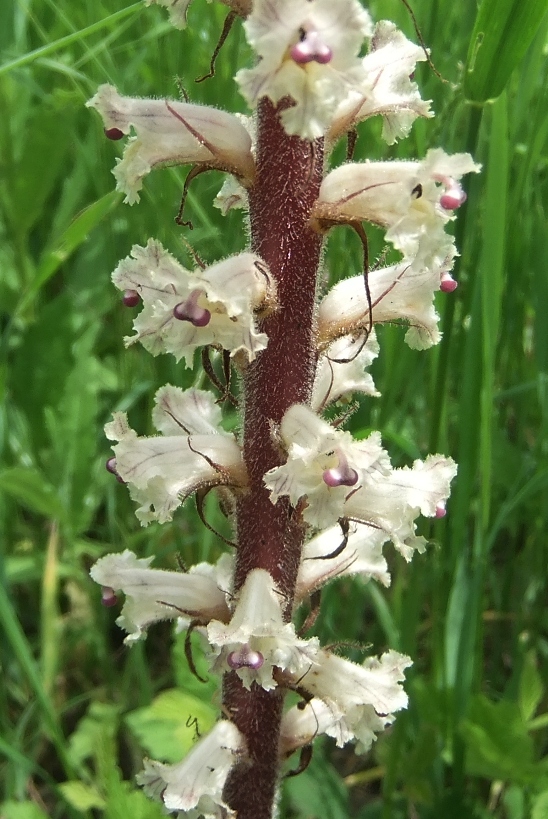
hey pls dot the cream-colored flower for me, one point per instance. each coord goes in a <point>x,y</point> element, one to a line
<point>184,310</point>
<point>341,368</point>
<point>308,50</point>
<point>171,133</point>
<point>256,640</point>
<point>194,452</point>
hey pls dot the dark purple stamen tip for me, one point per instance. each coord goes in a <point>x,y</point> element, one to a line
<point>310,48</point>
<point>108,596</point>
<point>131,298</point>
<point>448,284</point>
<point>189,310</point>
<point>111,467</point>
<point>340,477</point>
<point>245,658</point>
<point>113,133</point>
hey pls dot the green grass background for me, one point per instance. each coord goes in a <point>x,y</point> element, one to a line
<point>78,709</point>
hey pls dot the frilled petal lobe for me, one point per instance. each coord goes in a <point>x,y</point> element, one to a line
<point>401,292</point>
<point>362,698</point>
<point>323,464</point>
<point>178,9</point>
<point>163,470</point>
<point>388,89</point>
<point>155,594</point>
<point>408,198</point>
<point>195,785</point>
<point>308,50</point>
<point>393,503</point>
<point>300,726</point>
<point>326,557</point>
<point>341,369</point>
<point>171,133</point>
<point>257,639</point>
<point>184,310</point>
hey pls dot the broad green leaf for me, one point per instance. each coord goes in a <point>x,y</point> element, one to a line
<point>169,727</point>
<point>29,487</point>
<point>540,806</point>
<point>503,32</point>
<point>497,742</point>
<point>21,810</point>
<point>318,792</point>
<point>82,797</point>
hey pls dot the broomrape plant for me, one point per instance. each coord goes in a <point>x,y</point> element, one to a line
<point>309,502</point>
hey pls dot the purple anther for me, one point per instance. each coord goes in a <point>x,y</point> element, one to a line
<point>440,510</point>
<point>190,311</point>
<point>111,467</point>
<point>131,298</point>
<point>245,658</point>
<point>311,48</point>
<point>341,475</point>
<point>454,196</point>
<point>108,596</point>
<point>448,283</point>
<point>114,133</point>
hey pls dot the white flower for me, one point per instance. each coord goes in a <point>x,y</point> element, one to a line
<point>409,198</point>
<point>344,478</point>
<point>362,555</point>
<point>341,369</point>
<point>404,291</point>
<point>393,503</point>
<point>195,785</point>
<point>155,594</point>
<point>300,726</point>
<point>388,89</point>
<point>171,133</point>
<point>163,470</point>
<point>323,464</point>
<point>257,639</point>
<point>184,310</point>
<point>361,698</point>
<point>308,50</point>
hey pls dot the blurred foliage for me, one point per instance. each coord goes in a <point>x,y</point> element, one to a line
<point>77,708</point>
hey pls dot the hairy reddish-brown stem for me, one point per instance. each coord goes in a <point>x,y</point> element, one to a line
<point>289,172</point>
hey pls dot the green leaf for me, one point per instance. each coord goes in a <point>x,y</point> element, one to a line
<point>169,727</point>
<point>318,791</point>
<point>531,689</point>
<point>82,797</point>
<point>21,810</point>
<point>74,235</point>
<point>540,806</point>
<point>503,32</point>
<point>498,745</point>
<point>29,487</point>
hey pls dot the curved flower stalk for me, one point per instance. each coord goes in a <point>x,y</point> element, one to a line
<point>195,785</point>
<point>178,9</point>
<point>183,309</point>
<point>193,452</point>
<point>413,200</point>
<point>401,292</point>
<point>155,594</point>
<point>341,369</point>
<point>256,640</point>
<point>309,52</point>
<point>361,699</point>
<point>331,554</point>
<point>171,133</point>
<point>340,477</point>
